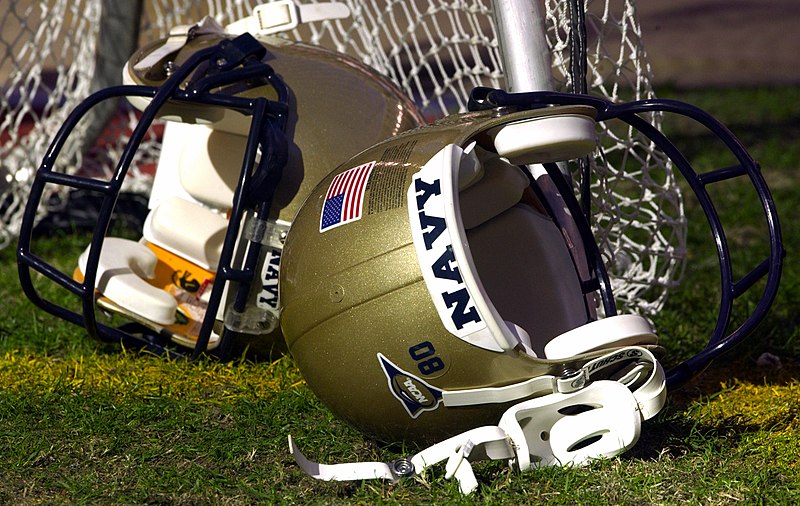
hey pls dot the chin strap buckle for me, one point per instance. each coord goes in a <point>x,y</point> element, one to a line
<point>178,37</point>
<point>482,443</point>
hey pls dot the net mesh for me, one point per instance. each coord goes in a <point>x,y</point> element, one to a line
<point>434,50</point>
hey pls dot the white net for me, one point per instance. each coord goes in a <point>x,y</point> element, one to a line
<point>40,85</point>
<point>435,50</point>
<point>637,209</point>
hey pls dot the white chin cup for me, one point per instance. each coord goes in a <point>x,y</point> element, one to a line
<point>599,421</point>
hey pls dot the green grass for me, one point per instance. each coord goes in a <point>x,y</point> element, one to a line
<point>86,423</point>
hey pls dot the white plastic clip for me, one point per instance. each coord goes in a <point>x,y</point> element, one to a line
<point>488,442</point>
<point>458,466</point>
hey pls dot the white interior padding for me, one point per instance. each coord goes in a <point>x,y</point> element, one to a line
<point>500,187</point>
<point>198,164</point>
<point>123,265</point>
<point>187,229</point>
<point>611,332</point>
<point>546,139</point>
<point>527,272</point>
<point>209,164</point>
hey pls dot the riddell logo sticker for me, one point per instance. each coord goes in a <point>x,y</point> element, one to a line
<point>185,280</point>
<point>413,393</point>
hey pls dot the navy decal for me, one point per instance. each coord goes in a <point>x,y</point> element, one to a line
<point>268,296</point>
<point>436,254</point>
<point>445,267</point>
<point>462,314</point>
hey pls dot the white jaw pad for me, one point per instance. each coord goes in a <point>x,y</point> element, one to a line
<point>544,436</point>
<point>545,139</point>
<point>611,332</point>
<point>187,229</point>
<point>123,263</point>
<point>209,163</point>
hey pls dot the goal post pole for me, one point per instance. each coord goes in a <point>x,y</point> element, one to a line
<point>523,45</point>
<point>118,38</point>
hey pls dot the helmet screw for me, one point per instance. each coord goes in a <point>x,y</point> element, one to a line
<point>502,111</point>
<point>403,467</point>
<point>570,381</point>
<point>221,62</point>
<point>336,293</point>
<point>169,68</point>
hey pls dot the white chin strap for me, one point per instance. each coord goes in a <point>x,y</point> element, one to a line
<point>285,15</point>
<point>265,19</point>
<point>585,420</point>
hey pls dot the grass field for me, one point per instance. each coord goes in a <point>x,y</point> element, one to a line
<point>82,423</point>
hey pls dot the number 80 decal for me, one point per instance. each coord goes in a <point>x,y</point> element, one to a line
<point>424,354</point>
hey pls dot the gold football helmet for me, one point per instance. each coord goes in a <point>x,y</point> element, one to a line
<point>425,285</point>
<point>252,125</point>
<point>444,285</point>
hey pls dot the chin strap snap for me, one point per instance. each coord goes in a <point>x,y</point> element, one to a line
<point>588,419</point>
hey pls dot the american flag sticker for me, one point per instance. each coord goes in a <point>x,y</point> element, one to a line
<point>345,197</point>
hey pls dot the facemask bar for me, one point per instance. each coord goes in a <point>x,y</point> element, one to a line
<point>231,62</point>
<point>722,339</point>
<point>598,280</point>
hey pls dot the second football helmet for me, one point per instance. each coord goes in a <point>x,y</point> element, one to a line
<point>252,125</point>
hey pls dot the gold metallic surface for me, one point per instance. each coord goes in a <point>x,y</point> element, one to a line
<point>381,303</point>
